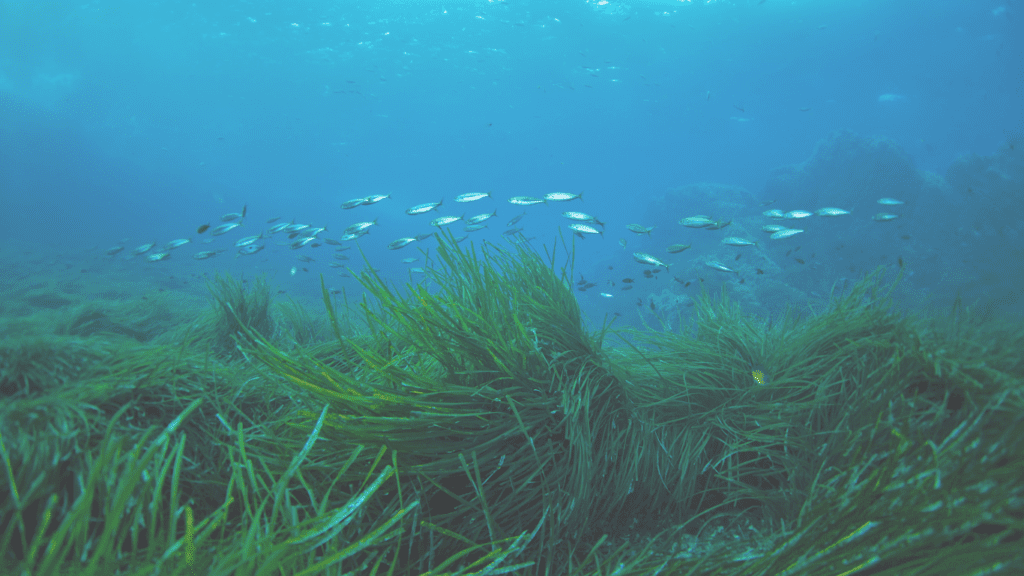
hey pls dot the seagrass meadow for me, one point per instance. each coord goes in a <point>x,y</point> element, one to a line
<point>472,424</point>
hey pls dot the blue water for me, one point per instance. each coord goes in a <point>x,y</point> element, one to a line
<point>123,123</point>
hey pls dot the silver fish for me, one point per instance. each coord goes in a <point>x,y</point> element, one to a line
<point>785,233</point>
<point>250,249</point>
<point>772,228</point>
<point>737,241</point>
<point>645,258</point>
<point>797,214</point>
<point>884,217</point>
<point>230,217</point>
<point>410,260</point>
<point>444,220</point>
<point>359,227</point>
<point>305,258</point>
<point>400,243</point>
<point>526,200</point>
<point>158,256</point>
<point>889,202</point>
<point>474,227</point>
<point>677,248</point>
<point>581,217</point>
<point>515,220</point>
<point>697,222</point>
<point>247,240</point>
<point>512,231</point>
<point>114,250</point>
<point>585,229</point>
<point>719,266</point>
<point>562,196</point>
<point>278,227</point>
<point>374,198</point>
<point>638,229</point>
<point>144,248</point>
<point>176,243</point>
<point>423,208</point>
<point>776,213</point>
<point>205,254</point>
<point>481,217</point>
<point>301,242</point>
<point>224,229</point>
<point>831,212</point>
<point>350,204</point>
<point>472,196</point>
<point>295,227</point>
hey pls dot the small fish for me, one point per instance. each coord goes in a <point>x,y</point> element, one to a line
<point>622,242</point>
<point>481,218</point>
<point>581,217</point>
<point>776,214</point>
<point>759,271</point>
<point>374,198</point>
<point>737,241</point>
<point>627,280</point>
<point>422,237</point>
<point>247,240</point>
<point>626,287</point>
<point>205,254</point>
<point>768,203</point>
<point>890,202</point>
<point>300,243</point>
<point>512,231</point>
<point>799,260</point>
<point>638,229</point>
<point>515,220</point>
<point>884,217</point>
<point>785,233</point>
<point>772,228</point>
<point>444,220</point>
<point>831,212</point>
<point>250,249</point>
<point>176,243</point>
<point>224,229</point>
<point>158,256</point>
<point>606,295</point>
<point>474,227</point>
<point>143,249</point>
<point>797,214</point>
<point>274,219</point>
<point>472,196</point>
<point>114,250</point>
<point>719,266</point>
<point>697,222</point>
<point>353,203</point>
<point>295,227</point>
<point>360,226</point>
<point>677,248</point>
<point>581,228</point>
<point>400,243</point>
<point>410,260</point>
<point>737,257</point>
<point>644,258</point>
<point>341,257</point>
<point>423,208</point>
<point>526,200</point>
<point>562,196</point>
<point>304,258</point>
<point>332,242</point>
<point>719,225</point>
<point>905,236</point>
<point>231,216</point>
<point>202,228</point>
<point>278,227</point>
